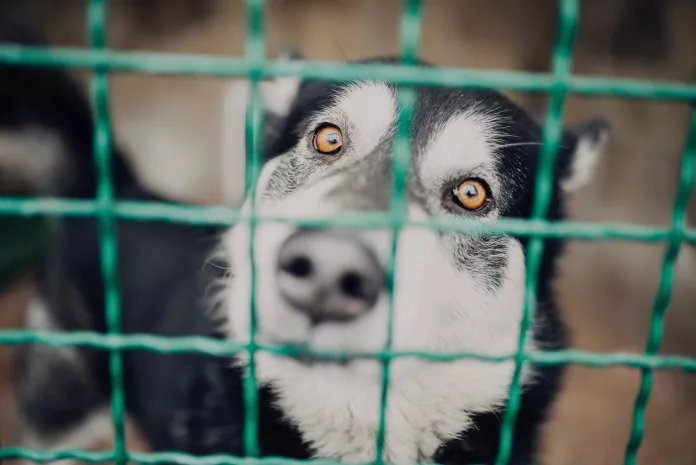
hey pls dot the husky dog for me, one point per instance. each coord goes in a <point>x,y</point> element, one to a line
<point>328,150</point>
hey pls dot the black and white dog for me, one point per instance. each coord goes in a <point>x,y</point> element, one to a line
<point>328,148</point>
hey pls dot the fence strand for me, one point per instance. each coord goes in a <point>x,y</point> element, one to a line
<point>255,67</point>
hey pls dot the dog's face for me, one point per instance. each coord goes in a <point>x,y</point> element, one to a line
<point>474,155</point>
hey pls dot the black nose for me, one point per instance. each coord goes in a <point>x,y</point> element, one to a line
<point>329,275</point>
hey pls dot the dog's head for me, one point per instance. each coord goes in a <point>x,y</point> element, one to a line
<point>474,154</point>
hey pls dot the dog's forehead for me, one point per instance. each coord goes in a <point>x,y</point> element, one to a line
<point>367,104</point>
<point>454,125</point>
<point>464,141</point>
<point>370,110</point>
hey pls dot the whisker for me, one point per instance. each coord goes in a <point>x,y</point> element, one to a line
<point>339,47</point>
<point>218,266</point>
<point>521,144</point>
<point>516,144</point>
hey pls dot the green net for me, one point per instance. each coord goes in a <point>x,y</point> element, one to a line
<point>255,67</point>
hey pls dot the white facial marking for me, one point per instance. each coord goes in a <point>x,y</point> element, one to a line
<point>369,108</point>
<point>465,142</point>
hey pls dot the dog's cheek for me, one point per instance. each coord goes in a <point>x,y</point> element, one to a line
<point>268,239</point>
<point>442,306</point>
<point>416,275</point>
<point>485,319</point>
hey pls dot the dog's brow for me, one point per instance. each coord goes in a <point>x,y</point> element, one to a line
<point>462,143</point>
<point>370,109</point>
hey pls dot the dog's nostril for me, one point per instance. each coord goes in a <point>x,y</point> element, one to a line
<point>328,275</point>
<point>300,266</point>
<point>352,284</point>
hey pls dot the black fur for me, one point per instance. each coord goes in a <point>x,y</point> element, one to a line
<point>193,402</point>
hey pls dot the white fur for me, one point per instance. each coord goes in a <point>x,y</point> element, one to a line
<point>584,161</point>
<point>32,158</point>
<point>39,318</point>
<point>438,308</point>
<point>97,428</point>
<point>277,95</point>
<point>465,143</point>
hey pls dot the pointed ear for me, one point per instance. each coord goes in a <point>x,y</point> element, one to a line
<point>588,142</point>
<point>277,97</point>
<point>279,94</point>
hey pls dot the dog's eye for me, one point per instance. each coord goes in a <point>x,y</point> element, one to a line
<point>471,194</point>
<point>328,139</point>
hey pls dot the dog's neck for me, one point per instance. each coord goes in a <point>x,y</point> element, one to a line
<point>279,437</point>
<point>429,416</point>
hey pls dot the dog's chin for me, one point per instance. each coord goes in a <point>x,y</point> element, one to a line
<point>339,370</point>
<point>302,357</point>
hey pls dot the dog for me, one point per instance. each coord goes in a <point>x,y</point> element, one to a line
<point>328,153</point>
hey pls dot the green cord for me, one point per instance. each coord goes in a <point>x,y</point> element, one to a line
<point>24,229</point>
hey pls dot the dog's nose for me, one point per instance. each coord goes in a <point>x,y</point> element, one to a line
<point>331,276</point>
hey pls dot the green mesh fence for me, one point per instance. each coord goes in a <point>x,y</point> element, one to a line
<point>255,67</point>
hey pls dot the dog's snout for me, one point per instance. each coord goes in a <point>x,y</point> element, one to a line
<point>329,275</point>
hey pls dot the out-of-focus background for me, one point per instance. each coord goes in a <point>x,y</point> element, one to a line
<point>172,128</point>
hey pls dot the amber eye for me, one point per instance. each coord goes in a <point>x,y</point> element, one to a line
<point>471,194</point>
<point>328,140</point>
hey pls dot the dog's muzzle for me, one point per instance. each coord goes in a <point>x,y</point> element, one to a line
<point>329,275</point>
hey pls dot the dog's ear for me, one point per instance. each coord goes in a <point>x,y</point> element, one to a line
<point>47,130</point>
<point>277,96</point>
<point>584,144</point>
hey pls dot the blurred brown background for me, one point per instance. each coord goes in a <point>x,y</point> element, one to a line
<point>172,127</point>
